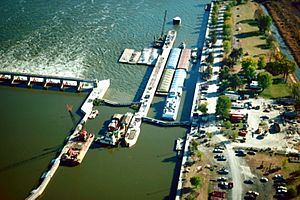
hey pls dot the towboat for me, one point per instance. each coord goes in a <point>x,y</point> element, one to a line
<point>177,20</point>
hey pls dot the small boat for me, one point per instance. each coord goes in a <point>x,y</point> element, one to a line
<point>177,20</point>
<point>93,114</point>
<point>207,7</point>
<point>182,45</point>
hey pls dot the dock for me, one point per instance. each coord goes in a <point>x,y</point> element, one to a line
<point>148,94</point>
<point>145,56</point>
<point>148,56</point>
<point>100,88</point>
<point>127,53</point>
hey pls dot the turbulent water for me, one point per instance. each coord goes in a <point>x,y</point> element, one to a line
<point>85,38</point>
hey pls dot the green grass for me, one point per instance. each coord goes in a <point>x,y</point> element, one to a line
<point>276,91</point>
<point>250,39</point>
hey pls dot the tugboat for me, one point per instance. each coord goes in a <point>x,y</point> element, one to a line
<point>117,129</point>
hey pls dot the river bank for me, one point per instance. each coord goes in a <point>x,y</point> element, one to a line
<point>286,18</point>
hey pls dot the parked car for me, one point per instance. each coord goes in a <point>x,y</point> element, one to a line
<point>248,181</point>
<point>251,153</point>
<point>217,150</point>
<point>223,170</point>
<point>221,178</point>
<point>264,179</point>
<point>221,158</point>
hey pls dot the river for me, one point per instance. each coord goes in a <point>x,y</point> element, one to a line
<point>84,39</point>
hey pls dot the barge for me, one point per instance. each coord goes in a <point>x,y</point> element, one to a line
<point>77,148</point>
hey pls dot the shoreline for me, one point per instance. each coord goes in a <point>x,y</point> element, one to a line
<point>281,25</point>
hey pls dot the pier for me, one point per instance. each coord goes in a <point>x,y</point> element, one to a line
<point>148,94</point>
<point>164,123</point>
<point>97,92</point>
<point>45,81</point>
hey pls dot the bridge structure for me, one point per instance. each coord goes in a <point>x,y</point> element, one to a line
<point>14,78</point>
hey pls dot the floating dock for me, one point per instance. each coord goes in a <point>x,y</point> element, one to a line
<point>100,88</point>
<point>134,57</point>
<point>146,53</point>
<point>148,56</point>
<point>125,57</point>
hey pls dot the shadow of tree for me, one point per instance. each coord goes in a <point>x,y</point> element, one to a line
<point>263,46</point>
<point>278,81</point>
<point>248,34</point>
<point>251,22</point>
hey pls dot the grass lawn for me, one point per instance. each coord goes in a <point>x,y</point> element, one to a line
<point>276,90</point>
<point>246,30</point>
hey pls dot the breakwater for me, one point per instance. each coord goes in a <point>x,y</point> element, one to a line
<point>86,108</point>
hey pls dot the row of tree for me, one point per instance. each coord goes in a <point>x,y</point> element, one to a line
<point>227,30</point>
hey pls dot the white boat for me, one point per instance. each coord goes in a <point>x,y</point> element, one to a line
<point>177,20</point>
<point>133,131</point>
<point>172,106</point>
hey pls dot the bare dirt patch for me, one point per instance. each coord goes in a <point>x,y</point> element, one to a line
<point>265,164</point>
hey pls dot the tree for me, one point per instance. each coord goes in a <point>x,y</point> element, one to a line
<point>227,124</point>
<point>249,66</point>
<point>224,73</point>
<point>224,85</point>
<point>247,62</point>
<point>235,81</point>
<point>295,89</point>
<point>203,108</point>
<point>196,181</point>
<point>262,61</point>
<point>228,62</point>
<point>264,23</point>
<point>223,106</point>
<point>214,38</point>
<point>292,191</point>
<point>264,79</point>
<point>250,73</point>
<point>194,145</point>
<point>210,58</point>
<point>236,54</point>
<point>227,46</point>
<point>288,67</point>
<point>199,155</point>
<point>258,13</point>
